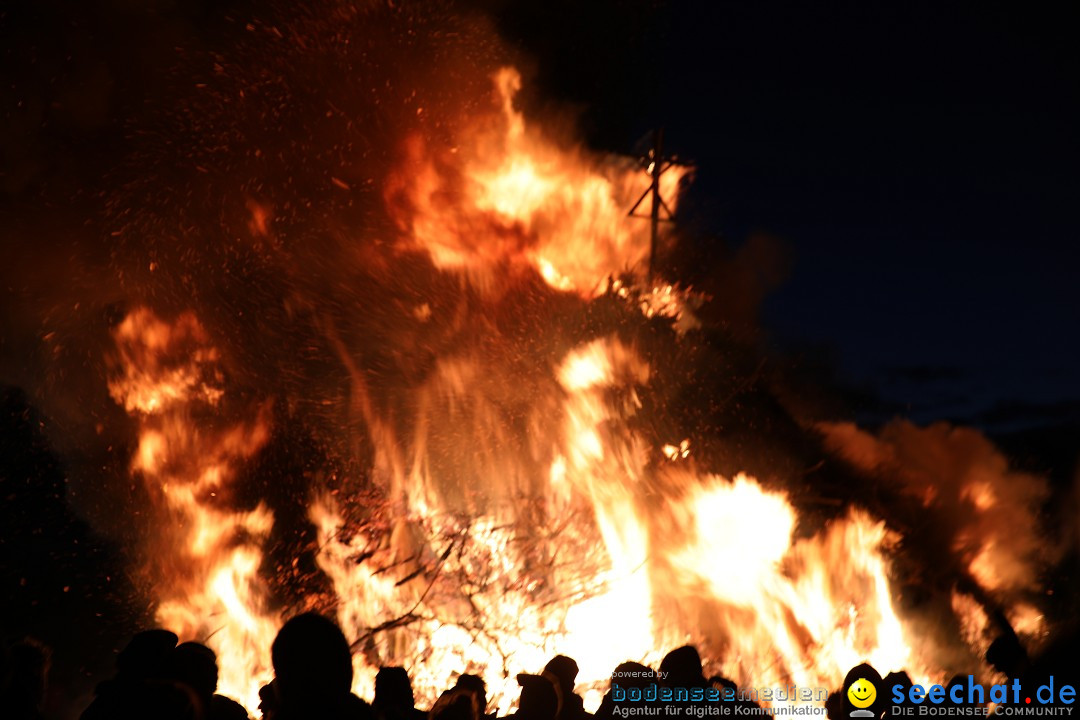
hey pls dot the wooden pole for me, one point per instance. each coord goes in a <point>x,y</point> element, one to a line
<point>656,169</point>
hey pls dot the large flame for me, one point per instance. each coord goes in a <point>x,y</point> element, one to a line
<point>506,196</point>
<point>810,609</point>
<point>206,556</point>
<point>516,510</point>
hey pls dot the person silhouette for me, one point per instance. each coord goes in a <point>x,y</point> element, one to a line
<point>475,685</point>
<point>142,687</point>
<point>313,672</point>
<point>539,700</point>
<point>894,679</point>
<point>394,698</point>
<point>682,668</point>
<point>562,671</point>
<point>268,701</point>
<point>195,666</point>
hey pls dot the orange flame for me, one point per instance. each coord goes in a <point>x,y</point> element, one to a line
<point>806,610</point>
<point>520,529</point>
<point>207,556</point>
<point>507,197</point>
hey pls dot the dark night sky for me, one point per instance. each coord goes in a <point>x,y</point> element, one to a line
<point>919,158</point>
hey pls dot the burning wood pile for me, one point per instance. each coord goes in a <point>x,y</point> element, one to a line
<point>548,470</point>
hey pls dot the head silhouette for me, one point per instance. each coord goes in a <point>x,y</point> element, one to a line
<point>312,662</point>
<point>539,700</point>
<point>564,669</point>
<point>474,684</point>
<point>147,656</point>
<point>682,668</point>
<point>893,679</point>
<point>393,689</point>
<point>195,665</point>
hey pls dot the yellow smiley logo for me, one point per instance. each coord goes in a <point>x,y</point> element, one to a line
<point>862,693</point>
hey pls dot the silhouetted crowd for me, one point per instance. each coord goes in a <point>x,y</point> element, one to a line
<point>158,679</point>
